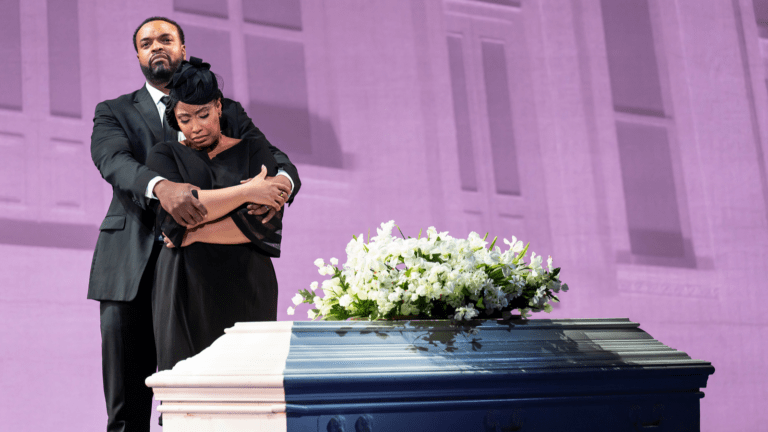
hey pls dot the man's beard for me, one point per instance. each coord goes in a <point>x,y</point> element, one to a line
<point>160,74</point>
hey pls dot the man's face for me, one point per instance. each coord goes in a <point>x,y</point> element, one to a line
<point>160,51</point>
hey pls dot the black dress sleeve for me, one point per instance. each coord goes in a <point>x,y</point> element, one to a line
<point>265,236</point>
<point>242,127</point>
<point>162,160</point>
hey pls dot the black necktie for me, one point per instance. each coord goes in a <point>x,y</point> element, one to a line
<point>168,133</point>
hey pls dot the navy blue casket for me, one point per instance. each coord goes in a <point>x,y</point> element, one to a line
<point>519,375</point>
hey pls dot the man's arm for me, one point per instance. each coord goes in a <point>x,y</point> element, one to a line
<point>113,156</point>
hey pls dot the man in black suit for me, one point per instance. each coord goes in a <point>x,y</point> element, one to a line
<point>123,265</point>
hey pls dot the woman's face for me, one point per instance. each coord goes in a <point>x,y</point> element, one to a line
<point>199,123</point>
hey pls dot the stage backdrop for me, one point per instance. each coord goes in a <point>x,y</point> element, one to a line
<point>625,138</point>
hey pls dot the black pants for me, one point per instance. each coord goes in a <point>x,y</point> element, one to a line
<point>128,355</point>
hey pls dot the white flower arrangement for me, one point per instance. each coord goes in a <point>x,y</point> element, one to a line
<point>432,277</point>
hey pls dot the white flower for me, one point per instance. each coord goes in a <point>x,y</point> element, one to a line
<point>334,261</point>
<point>465,312</point>
<point>385,231</point>
<point>311,314</point>
<point>319,262</point>
<point>431,233</point>
<point>345,300</point>
<point>535,265</point>
<point>322,271</point>
<point>291,311</point>
<point>313,286</point>
<point>297,299</point>
<point>549,264</point>
<point>515,245</point>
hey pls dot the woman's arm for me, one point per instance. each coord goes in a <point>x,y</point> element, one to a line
<point>222,231</point>
<point>220,202</point>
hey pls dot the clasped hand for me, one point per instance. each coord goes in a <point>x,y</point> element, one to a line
<point>282,184</point>
<point>267,191</point>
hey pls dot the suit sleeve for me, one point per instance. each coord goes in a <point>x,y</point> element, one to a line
<point>248,130</point>
<point>161,160</point>
<point>112,154</point>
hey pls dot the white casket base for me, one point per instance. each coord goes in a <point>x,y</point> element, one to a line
<point>236,384</point>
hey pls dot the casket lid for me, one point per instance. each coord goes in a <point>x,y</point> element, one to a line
<point>355,362</point>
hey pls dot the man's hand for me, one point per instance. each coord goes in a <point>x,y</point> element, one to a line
<point>178,201</point>
<point>258,209</point>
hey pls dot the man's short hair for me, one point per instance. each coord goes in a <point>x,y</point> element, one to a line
<point>157,18</point>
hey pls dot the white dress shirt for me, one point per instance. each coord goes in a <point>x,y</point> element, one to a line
<point>156,96</point>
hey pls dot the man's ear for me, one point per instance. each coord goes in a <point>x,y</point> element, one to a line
<point>183,52</point>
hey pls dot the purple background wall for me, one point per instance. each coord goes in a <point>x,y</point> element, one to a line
<point>625,138</point>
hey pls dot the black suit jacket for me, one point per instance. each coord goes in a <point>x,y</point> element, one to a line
<point>124,130</point>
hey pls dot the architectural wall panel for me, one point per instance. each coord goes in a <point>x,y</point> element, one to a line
<point>649,190</point>
<point>502,137</point>
<point>461,114</point>
<point>67,176</point>
<point>202,7</point>
<point>278,13</point>
<point>761,16</point>
<point>10,52</point>
<point>632,57</point>
<point>502,2</point>
<point>13,169</point>
<point>277,84</point>
<point>64,59</point>
<point>214,47</point>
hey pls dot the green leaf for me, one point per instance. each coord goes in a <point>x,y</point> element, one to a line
<point>480,304</point>
<point>493,243</point>
<point>401,231</point>
<point>522,253</point>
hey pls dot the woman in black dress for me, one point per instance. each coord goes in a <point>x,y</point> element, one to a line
<point>219,272</point>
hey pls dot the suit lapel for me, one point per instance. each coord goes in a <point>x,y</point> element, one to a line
<point>148,110</point>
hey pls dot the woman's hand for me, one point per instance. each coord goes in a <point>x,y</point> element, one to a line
<point>271,194</point>
<point>168,243</point>
<point>189,238</point>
